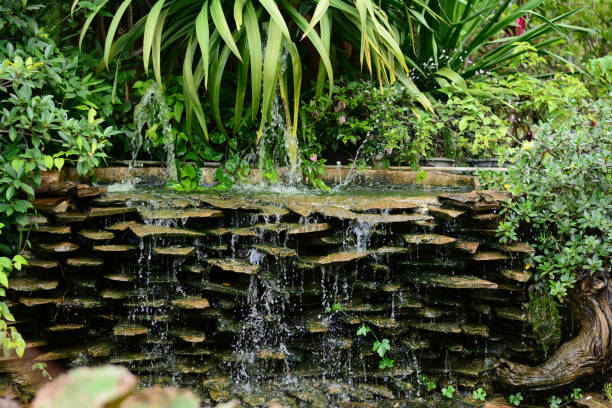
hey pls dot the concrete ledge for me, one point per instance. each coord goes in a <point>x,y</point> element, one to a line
<point>156,176</point>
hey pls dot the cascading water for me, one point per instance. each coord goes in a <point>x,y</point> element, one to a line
<point>153,112</point>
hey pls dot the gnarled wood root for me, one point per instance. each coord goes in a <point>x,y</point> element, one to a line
<point>587,354</point>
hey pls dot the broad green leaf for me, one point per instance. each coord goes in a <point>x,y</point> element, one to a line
<point>270,71</point>
<point>190,87</point>
<point>238,7</point>
<point>156,48</point>
<point>254,40</point>
<point>241,85</point>
<point>112,29</point>
<point>215,91</point>
<point>275,14</point>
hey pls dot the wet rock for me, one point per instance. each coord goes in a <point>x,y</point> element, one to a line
<point>517,275</point>
<point>195,368</point>
<point>444,213</point>
<point>489,256</point>
<point>385,203</point>
<point>36,219</point>
<point>388,250</point>
<point>272,211</point>
<point>234,265</point>
<point>380,390</point>
<point>131,358</point>
<point>276,251</point>
<point>428,239</point>
<point>129,330</point>
<point>391,287</point>
<point>31,284</point>
<point>382,322</point>
<point>224,288</point>
<point>486,217</point>
<point>516,247</point>
<point>66,327</point>
<point>466,246</point>
<point>241,232</point>
<point>107,211</point>
<point>416,343</point>
<point>174,251</point>
<point>191,303</point>
<point>119,278</point>
<point>121,226</point>
<point>437,327</point>
<point>72,217</point>
<point>267,354</point>
<point>511,313</point>
<point>303,210</point>
<point>475,329</point>
<point>113,248</point>
<point>143,230</point>
<point>55,229</point>
<point>58,247</point>
<point>41,263</point>
<point>317,325</point>
<point>167,214</point>
<point>113,294</point>
<point>81,303</point>
<point>189,335</point>
<point>343,256</point>
<point>96,235</point>
<point>90,262</point>
<point>451,281</point>
<point>32,302</point>
<point>227,325</point>
<point>61,354</point>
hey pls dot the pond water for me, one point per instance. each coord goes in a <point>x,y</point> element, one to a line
<point>258,294</point>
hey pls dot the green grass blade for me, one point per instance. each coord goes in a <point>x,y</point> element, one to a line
<point>156,50</point>
<point>190,87</point>
<point>215,91</point>
<point>296,64</point>
<point>216,12</point>
<point>254,40</point>
<point>275,14</point>
<point>149,32</point>
<point>241,86</point>
<point>88,22</point>
<point>112,29</point>
<point>270,71</point>
<point>326,22</point>
<point>319,12</point>
<point>202,32</point>
<point>238,7</point>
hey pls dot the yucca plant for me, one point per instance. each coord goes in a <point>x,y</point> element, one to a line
<point>226,45</point>
<point>452,40</point>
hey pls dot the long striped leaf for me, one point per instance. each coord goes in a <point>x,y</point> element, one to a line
<point>254,40</point>
<point>270,71</point>
<point>216,12</point>
<point>149,32</point>
<point>190,87</point>
<point>277,17</point>
<point>241,85</point>
<point>326,39</point>
<point>319,12</point>
<point>202,32</point>
<point>215,91</point>
<point>296,64</point>
<point>156,50</point>
<point>112,29</point>
<point>238,7</point>
<point>88,22</point>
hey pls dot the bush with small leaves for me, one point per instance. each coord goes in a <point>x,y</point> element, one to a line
<point>515,399</point>
<point>448,391</point>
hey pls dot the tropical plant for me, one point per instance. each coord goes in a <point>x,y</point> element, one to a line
<point>448,41</point>
<point>561,191</point>
<point>515,399</point>
<point>264,39</point>
<point>380,347</point>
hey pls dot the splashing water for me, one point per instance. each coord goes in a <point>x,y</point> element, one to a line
<point>153,111</point>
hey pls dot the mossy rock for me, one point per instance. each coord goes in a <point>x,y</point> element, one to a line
<point>191,303</point>
<point>113,248</point>
<point>343,256</point>
<point>96,235</point>
<point>145,230</point>
<point>428,239</point>
<point>172,214</point>
<point>31,284</point>
<point>85,261</point>
<point>234,265</point>
<point>59,247</point>
<point>175,251</point>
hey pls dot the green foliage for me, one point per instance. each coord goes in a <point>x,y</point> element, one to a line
<point>543,314</point>
<point>561,198</point>
<point>336,307</point>
<point>515,399</point>
<point>554,402</point>
<point>608,391</point>
<point>479,394</point>
<point>380,347</point>
<point>423,379</point>
<point>448,391</point>
<point>42,367</point>
<point>576,394</point>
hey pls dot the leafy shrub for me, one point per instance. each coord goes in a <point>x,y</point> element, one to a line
<point>561,198</point>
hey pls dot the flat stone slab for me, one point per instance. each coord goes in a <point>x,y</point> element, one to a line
<point>234,265</point>
<point>143,230</point>
<point>241,232</point>
<point>121,226</point>
<point>428,239</point>
<point>61,354</point>
<point>191,303</point>
<point>451,281</point>
<point>92,262</point>
<point>107,211</point>
<point>511,313</point>
<point>189,335</point>
<point>389,250</point>
<point>343,256</point>
<point>113,248</point>
<point>59,247</point>
<point>119,278</point>
<point>382,322</point>
<point>66,327</point>
<point>516,247</point>
<point>81,303</point>
<point>168,214</point>
<point>96,235</point>
<point>55,229</point>
<point>224,288</point>
<point>114,294</point>
<point>489,256</point>
<point>129,330</point>
<point>517,275</point>
<point>294,228</point>
<point>42,263</point>
<point>276,251</point>
<point>174,251</point>
<point>374,219</point>
<point>33,302</point>
<point>467,246</point>
<point>437,327</point>
<point>444,213</point>
<point>72,217</point>
<point>271,354</point>
<point>31,284</point>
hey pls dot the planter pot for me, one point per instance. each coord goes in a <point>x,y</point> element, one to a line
<point>485,163</point>
<point>437,162</point>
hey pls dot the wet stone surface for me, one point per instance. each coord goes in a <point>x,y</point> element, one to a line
<point>259,296</point>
